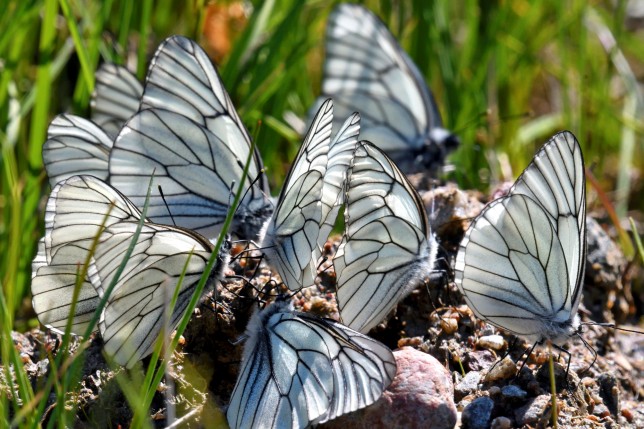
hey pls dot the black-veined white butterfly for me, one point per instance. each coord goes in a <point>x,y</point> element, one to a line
<point>117,96</point>
<point>521,263</point>
<point>308,203</point>
<point>299,370</point>
<point>133,317</point>
<point>387,248</point>
<point>366,71</point>
<point>191,139</point>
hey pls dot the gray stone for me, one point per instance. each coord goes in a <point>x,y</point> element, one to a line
<point>479,360</point>
<point>513,393</point>
<point>537,410</point>
<point>468,385</point>
<point>478,414</point>
<point>501,423</point>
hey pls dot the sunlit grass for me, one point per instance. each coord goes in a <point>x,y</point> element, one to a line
<point>506,76</point>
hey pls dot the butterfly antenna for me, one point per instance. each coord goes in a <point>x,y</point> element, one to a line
<point>612,325</point>
<point>167,207</point>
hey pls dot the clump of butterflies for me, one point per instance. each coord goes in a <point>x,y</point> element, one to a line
<point>519,266</point>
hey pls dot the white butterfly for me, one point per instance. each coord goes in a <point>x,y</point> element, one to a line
<point>387,248</point>
<point>299,370</point>
<point>133,317</point>
<point>521,263</point>
<point>117,96</point>
<point>190,138</point>
<point>308,204</point>
<point>367,71</point>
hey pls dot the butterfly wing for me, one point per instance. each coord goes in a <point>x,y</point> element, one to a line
<point>339,159</point>
<point>116,97</point>
<point>139,305</point>
<point>387,248</point>
<point>298,370</point>
<point>75,146</point>
<point>195,169</point>
<point>183,80</point>
<point>290,236</point>
<point>520,264</point>
<point>366,71</point>
<point>556,180</point>
<point>76,210</point>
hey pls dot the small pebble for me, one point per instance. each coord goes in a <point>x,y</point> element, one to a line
<point>449,326</point>
<point>627,414</point>
<point>491,342</point>
<point>478,413</point>
<point>513,393</point>
<point>501,423</point>
<point>601,410</point>
<point>502,370</point>
<point>479,360</point>
<point>537,410</point>
<point>468,385</point>
<point>494,391</point>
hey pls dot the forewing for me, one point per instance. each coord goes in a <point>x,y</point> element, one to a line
<point>197,171</point>
<point>511,268</point>
<point>117,95</point>
<point>183,80</point>
<point>139,306</point>
<point>75,146</point>
<point>290,237</point>
<point>302,370</point>
<point>556,180</point>
<point>76,210</point>
<point>386,249</point>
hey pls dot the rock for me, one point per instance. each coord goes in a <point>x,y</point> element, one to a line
<point>421,396</point>
<point>479,360</point>
<point>502,370</point>
<point>468,385</point>
<point>491,342</point>
<point>478,414</point>
<point>513,393</point>
<point>561,380</point>
<point>601,410</point>
<point>501,423</point>
<point>537,410</point>
<point>609,391</point>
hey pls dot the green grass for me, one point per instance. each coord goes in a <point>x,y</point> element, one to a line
<point>506,76</point>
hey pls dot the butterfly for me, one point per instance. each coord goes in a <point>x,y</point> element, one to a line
<point>299,370</point>
<point>190,138</point>
<point>366,71</point>
<point>76,145</point>
<point>520,265</point>
<point>81,208</point>
<point>117,96</point>
<point>387,248</point>
<point>309,201</point>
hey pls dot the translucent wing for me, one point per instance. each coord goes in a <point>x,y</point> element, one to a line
<point>340,153</point>
<point>197,171</point>
<point>75,146</point>
<point>387,248</point>
<point>135,311</point>
<point>366,71</point>
<point>520,264</point>
<point>299,370</point>
<point>290,236</point>
<point>183,80</point>
<point>116,97</point>
<point>76,209</point>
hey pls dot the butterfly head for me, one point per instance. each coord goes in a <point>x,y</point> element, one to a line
<point>559,328</point>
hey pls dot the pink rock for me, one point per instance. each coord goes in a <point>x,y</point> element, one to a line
<point>421,396</point>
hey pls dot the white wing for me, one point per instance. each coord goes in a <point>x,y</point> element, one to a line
<point>387,248</point>
<point>521,262</point>
<point>339,159</point>
<point>183,80</point>
<point>116,97</point>
<point>76,209</point>
<point>198,172</point>
<point>290,236</point>
<point>75,146</point>
<point>130,322</point>
<point>298,370</point>
<point>366,71</point>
